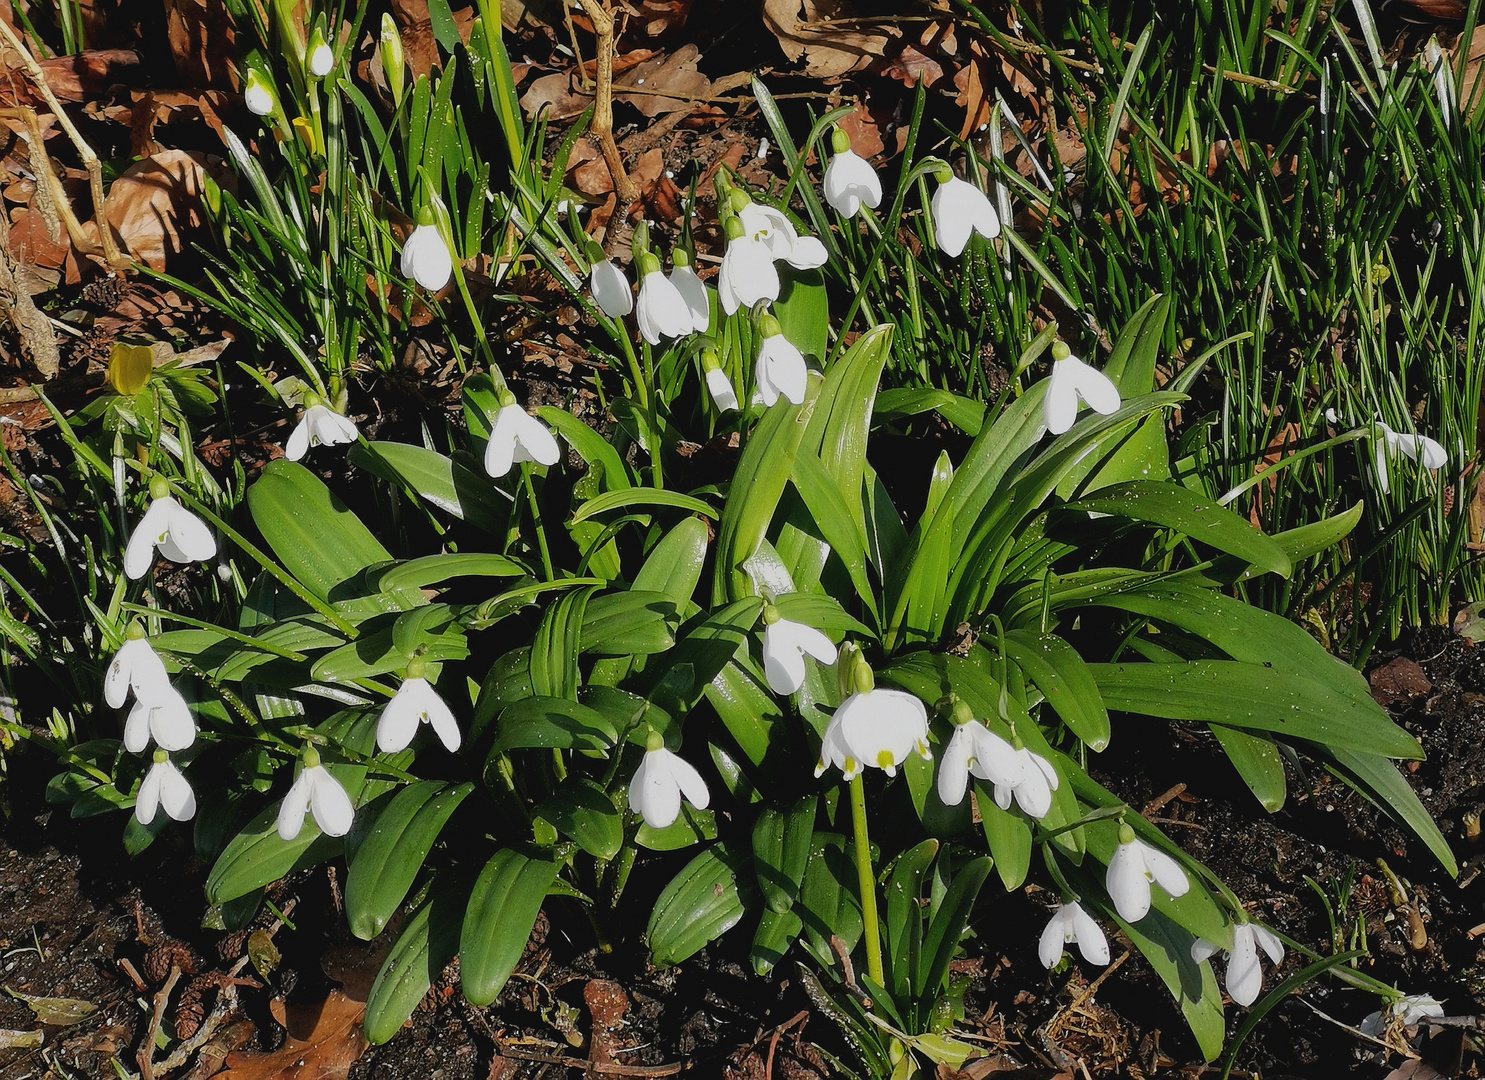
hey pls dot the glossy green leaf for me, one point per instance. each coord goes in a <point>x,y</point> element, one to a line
<point>747,709</point>
<point>378,649</point>
<point>901,402</point>
<point>625,498</point>
<point>636,622</point>
<point>699,905</point>
<point>554,654</point>
<point>948,925</point>
<point>449,485</point>
<point>1065,683</point>
<point>782,840</point>
<point>428,941</point>
<point>437,569</point>
<point>836,521</point>
<point>1168,949</point>
<point>1257,761</point>
<point>776,932</point>
<point>387,861</point>
<point>819,610</point>
<point>803,311</point>
<point>581,811</point>
<point>1378,779</point>
<point>692,827</point>
<point>904,922</point>
<point>674,565</point>
<point>552,723</point>
<point>1008,836</point>
<point>828,904</point>
<point>602,459</point>
<point>1131,364</point>
<point>503,908</point>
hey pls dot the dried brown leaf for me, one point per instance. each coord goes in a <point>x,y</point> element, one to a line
<point>322,1043</point>
<point>665,83</point>
<point>806,36</point>
<point>153,202</point>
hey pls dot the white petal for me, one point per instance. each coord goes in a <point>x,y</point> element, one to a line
<point>1048,771</point>
<point>1094,387</point>
<point>1127,882</point>
<point>691,785</point>
<point>1269,942</point>
<point>398,722</point>
<point>693,292</point>
<point>298,444</point>
<point>295,805</point>
<point>1054,937</point>
<point>139,554</point>
<point>781,366</point>
<point>611,289</point>
<point>500,451</point>
<point>533,441</point>
<point>331,805</point>
<point>1089,935</point>
<point>1433,453</point>
<point>807,253</point>
<point>1244,976</point>
<point>170,722</point>
<point>726,294</point>
<point>995,759</point>
<point>137,728</point>
<point>440,718</point>
<point>1201,949</point>
<point>1379,451</point>
<point>721,389</point>
<point>258,100</point>
<point>1003,795</point>
<point>147,798</point>
<point>807,639</point>
<point>321,60</point>
<point>176,795</point>
<point>1165,870</point>
<point>330,428</point>
<point>953,778</point>
<point>426,258</point>
<point>662,311</point>
<point>1060,406</point>
<point>749,269</point>
<point>188,538</point>
<point>1033,793</point>
<point>783,663</point>
<point>951,228</point>
<point>769,226</point>
<point>850,181</point>
<point>653,793</point>
<point>882,726</point>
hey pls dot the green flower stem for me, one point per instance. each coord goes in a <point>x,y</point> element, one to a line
<point>535,507</point>
<point>867,881</point>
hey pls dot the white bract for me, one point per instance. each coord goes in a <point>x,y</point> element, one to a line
<point>660,781</point>
<point>780,370</point>
<point>959,209</point>
<point>1068,924</point>
<point>748,275</point>
<point>692,291</point>
<point>1244,975</point>
<point>135,666</point>
<point>777,233</point>
<point>319,426</point>
<point>415,702</point>
<point>1412,447</point>
<point>314,789</point>
<point>662,312</point>
<point>1135,864</point>
<point>426,258</point>
<point>610,289</point>
<point>166,719</point>
<point>877,728</point>
<point>180,535</point>
<point>1073,381</point>
<point>321,57</point>
<point>517,436</point>
<point>164,786</point>
<point>784,646</point>
<point>851,182</point>
<point>721,389</point>
<point>258,94</point>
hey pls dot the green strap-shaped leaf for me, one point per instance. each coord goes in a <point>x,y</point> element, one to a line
<point>554,654</point>
<point>819,610</point>
<point>633,623</point>
<point>674,565</point>
<point>1257,761</point>
<point>1064,681</point>
<point>699,905</point>
<point>592,447</point>
<point>387,861</point>
<point>836,520</point>
<point>1379,780</point>
<point>776,932</point>
<point>450,485</point>
<point>552,723</point>
<point>502,910</point>
<point>627,497</point>
<point>1007,835</point>
<point>746,708</point>
<point>947,927</point>
<point>898,403</point>
<point>904,925</point>
<point>582,811</point>
<point>378,650</point>
<point>436,569</point>
<point>782,840</point>
<point>828,903</point>
<point>1131,365</point>
<point>428,941</point>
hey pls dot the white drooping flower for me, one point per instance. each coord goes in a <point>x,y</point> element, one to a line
<point>518,436</point>
<point>426,258</point>
<point>1134,865</point>
<point>319,57</point>
<point>1068,924</point>
<point>314,789</point>
<point>659,783</point>
<point>1412,447</point>
<point>975,749</point>
<point>165,718</point>
<point>180,535</point>
<point>780,370</point>
<point>777,233</point>
<point>721,389</point>
<point>748,274</point>
<point>257,95</point>
<point>1409,1010</point>
<point>662,312</point>
<point>959,209</point>
<point>1073,381</point>
<point>610,288</point>
<point>1033,790</point>
<point>164,786</point>
<point>872,727</point>
<point>785,644</point>
<point>135,666</point>
<point>850,181</point>
<point>319,426</point>
<point>1244,975</point>
<point>684,278</point>
<point>415,702</point>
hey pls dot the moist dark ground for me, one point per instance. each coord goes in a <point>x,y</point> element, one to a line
<point>74,909</point>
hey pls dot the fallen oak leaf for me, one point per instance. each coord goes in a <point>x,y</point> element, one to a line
<point>324,1040</point>
<point>665,83</point>
<point>153,202</point>
<point>826,50</point>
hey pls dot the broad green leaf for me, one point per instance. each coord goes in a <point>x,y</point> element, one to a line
<point>837,522</point>
<point>552,723</point>
<point>629,623</point>
<point>603,460</point>
<point>708,642</point>
<point>819,610</point>
<point>378,649</point>
<point>384,866</point>
<point>904,923</point>
<point>554,654</point>
<point>692,827</point>
<point>1378,779</point>
<point>1007,835</point>
<point>449,485</point>
<point>428,941</point>
<point>782,840</point>
<point>803,311</point>
<point>502,910</point>
<point>1065,683</point>
<point>1131,365</point>
<point>747,709</point>
<point>828,903</point>
<point>948,925</point>
<point>581,811</point>
<point>964,413</point>
<point>437,569</point>
<point>699,905</point>
<point>625,498</point>
<point>1257,762</point>
<point>776,932</point>
<point>674,565</point>
<point>1168,949</point>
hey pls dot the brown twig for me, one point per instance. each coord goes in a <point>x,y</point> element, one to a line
<point>603,105</point>
<point>1164,797</point>
<point>603,1068</point>
<point>773,1042</point>
<point>146,1052</point>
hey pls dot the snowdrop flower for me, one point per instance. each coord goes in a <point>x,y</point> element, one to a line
<point>1407,1011</point>
<point>1068,924</point>
<point>164,785</point>
<point>777,233</point>
<point>748,274</point>
<point>415,702</point>
<point>179,534</point>
<point>1033,791</point>
<point>1244,976</point>
<point>850,182</point>
<point>872,727</point>
<point>959,208</point>
<point>780,370</point>
<point>974,748</point>
<point>135,666</point>
<point>518,436</point>
<point>717,382</point>
<point>166,719</point>
<point>784,644</point>
<point>1412,447</point>
<point>319,426</point>
<point>1135,864</point>
<point>610,287</point>
<point>660,781</point>
<point>321,58</point>
<point>684,278</point>
<point>1073,381</point>
<point>662,312</point>
<point>315,789</point>
<point>258,94</point>
<point>426,258</point>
